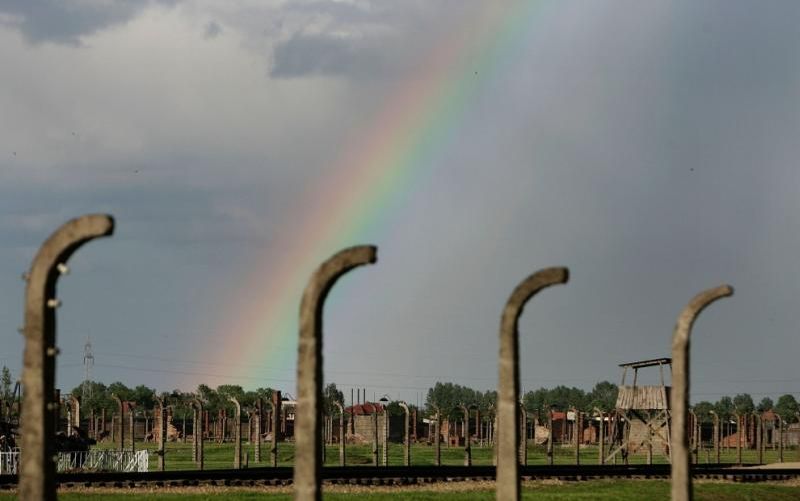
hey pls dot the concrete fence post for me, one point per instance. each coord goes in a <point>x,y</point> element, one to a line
<point>715,436</point>
<point>465,433</point>
<point>374,436</point>
<point>437,438</point>
<point>406,434</point>
<point>550,457</point>
<point>601,459</point>
<point>523,434</point>
<point>237,433</point>
<point>132,425</point>
<point>576,432</point>
<point>199,431</point>
<point>679,399</point>
<point>120,422</point>
<point>308,439</point>
<point>385,450</point>
<point>37,467</point>
<point>508,481</point>
<point>342,434</point>
<point>693,437</point>
<point>273,448</point>
<point>162,433</point>
<point>738,437</point>
<point>259,426</point>
<point>75,414</point>
<point>759,437</point>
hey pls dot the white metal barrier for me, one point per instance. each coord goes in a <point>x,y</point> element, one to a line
<point>8,462</point>
<point>94,460</point>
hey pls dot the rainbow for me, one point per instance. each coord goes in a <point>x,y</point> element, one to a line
<point>387,161</point>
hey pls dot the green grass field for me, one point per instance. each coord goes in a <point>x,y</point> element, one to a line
<point>218,456</point>
<point>592,490</point>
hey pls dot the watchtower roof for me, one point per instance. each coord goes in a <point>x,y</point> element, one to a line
<point>647,363</point>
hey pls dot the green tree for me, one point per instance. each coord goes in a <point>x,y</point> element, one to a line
<point>120,390</point>
<point>766,404</point>
<point>536,400</point>
<point>209,397</point>
<point>330,395</point>
<point>604,396</point>
<point>743,403</point>
<point>6,385</point>
<point>724,407</point>
<point>99,398</point>
<point>226,391</point>
<point>487,401</point>
<point>786,407</point>
<point>143,396</point>
<point>448,397</point>
<point>702,411</point>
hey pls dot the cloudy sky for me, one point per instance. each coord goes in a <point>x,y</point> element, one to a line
<point>651,147</point>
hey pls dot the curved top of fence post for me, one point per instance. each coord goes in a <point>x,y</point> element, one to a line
<point>118,401</point>
<point>508,481</point>
<point>37,470</point>
<point>403,406</point>
<point>679,399</point>
<point>598,411</point>
<point>326,275</point>
<point>529,287</point>
<point>236,404</point>
<point>339,406</point>
<point>308,440</point>
<point>689,314</point>
<point>58,248</point>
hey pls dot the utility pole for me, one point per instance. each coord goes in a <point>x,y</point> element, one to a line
<point>88,362</point>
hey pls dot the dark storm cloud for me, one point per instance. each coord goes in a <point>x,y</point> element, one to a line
<point>65,22</point>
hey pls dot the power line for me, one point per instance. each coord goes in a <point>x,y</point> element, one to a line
<point>333,371</point>
<point>251,378</point>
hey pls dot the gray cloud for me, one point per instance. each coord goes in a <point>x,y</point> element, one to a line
<point>66,22</point>
<point>212,30</point>
<point>357,40</point>
<point>304,55</point>
<point>649,146</point>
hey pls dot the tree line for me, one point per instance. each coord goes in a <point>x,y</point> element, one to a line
<point>447,397</point>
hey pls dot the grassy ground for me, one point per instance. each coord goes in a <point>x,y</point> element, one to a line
<point>219,456</point>
<point>593,490</point>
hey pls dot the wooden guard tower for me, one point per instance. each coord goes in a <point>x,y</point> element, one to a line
<point>643,415</point>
